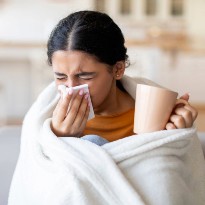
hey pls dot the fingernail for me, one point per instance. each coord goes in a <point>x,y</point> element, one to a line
<point>81,92</point>
<point>189,94</point>
<point>86,96</point>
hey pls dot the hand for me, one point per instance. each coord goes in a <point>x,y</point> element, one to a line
<point>182,116</point>
<point>70,116</point>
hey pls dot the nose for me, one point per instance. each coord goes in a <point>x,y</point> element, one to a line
<point>71,82</point>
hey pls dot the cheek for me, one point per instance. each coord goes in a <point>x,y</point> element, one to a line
<point>99,90</point>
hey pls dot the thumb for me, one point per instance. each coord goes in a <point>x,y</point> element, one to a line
<point>185,96</point>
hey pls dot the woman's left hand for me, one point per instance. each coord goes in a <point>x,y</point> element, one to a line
<point>183,116</point>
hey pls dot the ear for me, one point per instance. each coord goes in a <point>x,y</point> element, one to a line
<point>118,70</point>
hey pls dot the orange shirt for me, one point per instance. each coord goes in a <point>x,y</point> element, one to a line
<point>111,127</point>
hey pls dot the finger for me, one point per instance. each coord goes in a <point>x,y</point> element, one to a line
<point>85,119</point>
<point>62,106</point>
<point>80,127</point>
<point>186,114</point>
<point>178,121</point>
<point>182,101</point>
<point>81,112</point>
<point>185,96</point>
<point>193,111</point>
<point>74,107</point>
<point>170,126</point>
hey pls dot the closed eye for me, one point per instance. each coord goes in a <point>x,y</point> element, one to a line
<point>60,76</point>
<point>86,75</point>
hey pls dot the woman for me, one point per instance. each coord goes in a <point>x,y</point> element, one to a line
<point>57,167</point>
<point>88,47</point>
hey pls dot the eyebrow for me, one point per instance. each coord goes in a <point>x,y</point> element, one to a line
<point>80,73</point>
<point>77,74</point>
<point>60,74</point>
<point>86,73</point>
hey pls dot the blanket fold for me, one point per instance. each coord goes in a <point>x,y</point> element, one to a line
<point>158,168</point>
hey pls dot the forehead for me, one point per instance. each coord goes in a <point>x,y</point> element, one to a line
<point>73,60</point>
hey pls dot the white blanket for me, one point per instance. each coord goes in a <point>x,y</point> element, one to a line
<point>159,168</point>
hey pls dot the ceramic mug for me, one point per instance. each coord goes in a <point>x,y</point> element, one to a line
<point>153,107</point>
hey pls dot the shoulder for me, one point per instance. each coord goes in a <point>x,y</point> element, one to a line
<point>130,84</point>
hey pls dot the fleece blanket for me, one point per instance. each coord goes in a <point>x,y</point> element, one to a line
<point>165,167</point>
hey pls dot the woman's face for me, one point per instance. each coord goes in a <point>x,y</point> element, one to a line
<point>73,68</point>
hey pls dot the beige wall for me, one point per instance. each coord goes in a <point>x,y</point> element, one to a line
<point>195,15</point>
<point>33,19</point>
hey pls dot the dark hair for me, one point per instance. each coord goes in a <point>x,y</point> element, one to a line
<point>89,31</point>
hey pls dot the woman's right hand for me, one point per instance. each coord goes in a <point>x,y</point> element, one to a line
<point>70,122</point>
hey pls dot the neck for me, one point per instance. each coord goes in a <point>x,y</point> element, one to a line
<point>116,102</point>
<point>109,105</point>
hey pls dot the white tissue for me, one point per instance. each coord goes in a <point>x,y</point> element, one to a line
<point>65,91</point>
